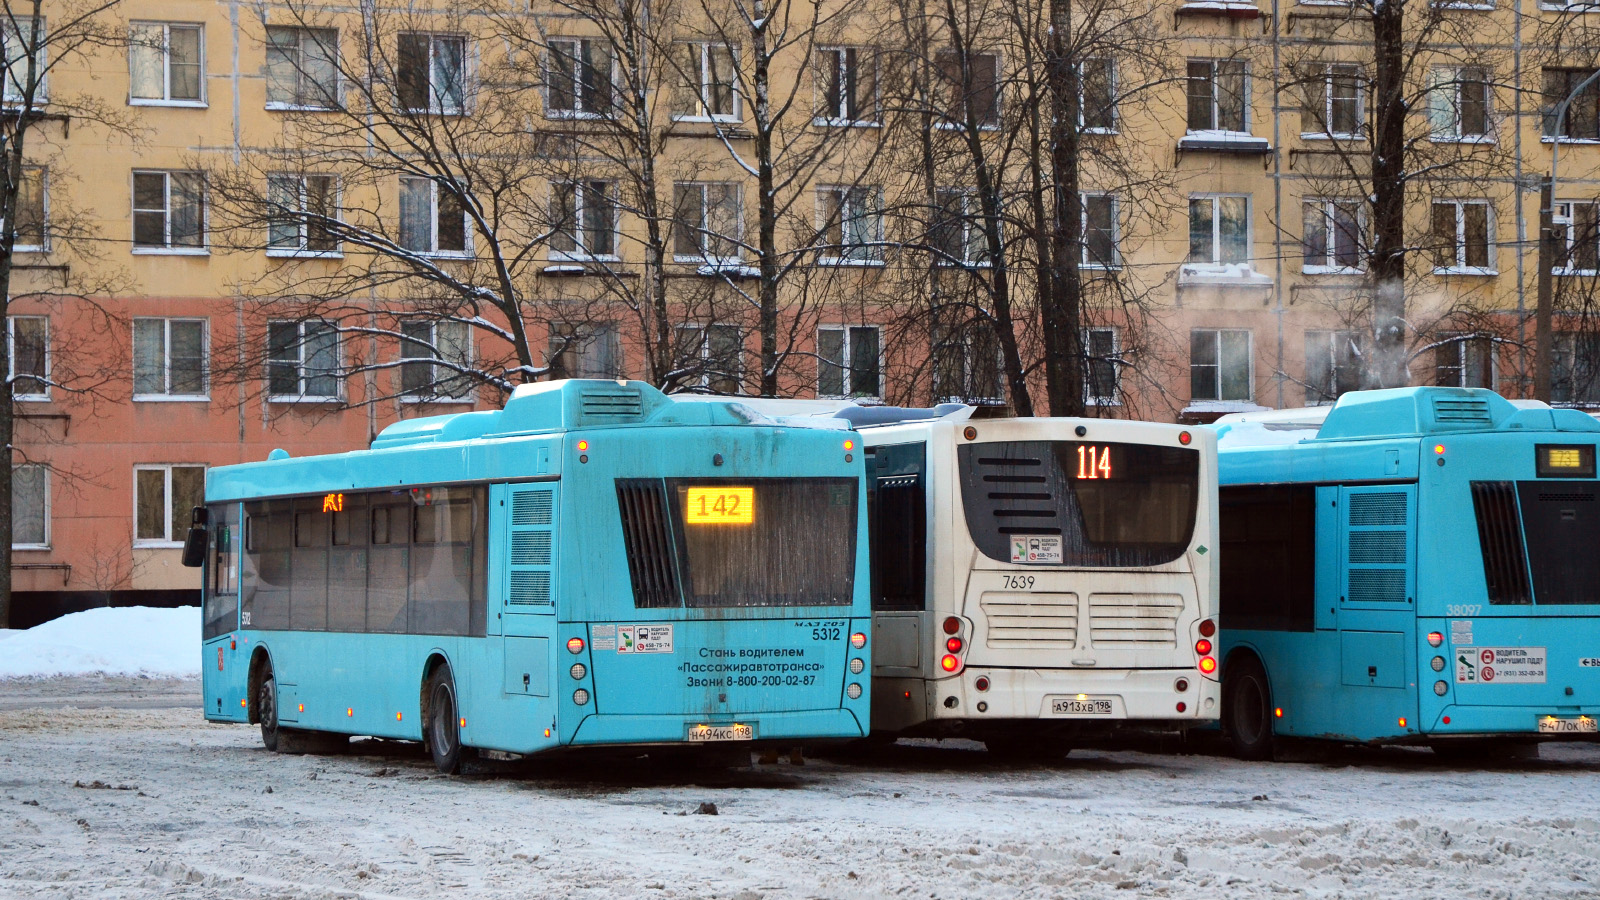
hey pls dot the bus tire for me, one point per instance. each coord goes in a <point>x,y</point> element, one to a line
<point>1247,709</point>
<point>267,708</point>
<point>441,730</point>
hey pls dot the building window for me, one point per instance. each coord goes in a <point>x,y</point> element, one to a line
<point>302,361</point>
<point>432,219</point>
<point>435,360</point>
<point>966,365</point>
<point>706,223</point>
<point>1219,364</point>
<point>1332,242</point>
<point>1578,228</point>
<point>1575,369</point>
<point>958,234</point>
<point>1097,100</point>
<point>1582,121</point>
<point>166,63</point>
<point>432,73</point>
<point>1218,95</point>
<point>30,357</point>
<point>1462,237</point>
<point>585,220</point>
<point>1464,360</point>
<point>579,79</point>
<point>1333,102</point>
<point>848,364</point>
<point>16,36</point>
<point>590,350</point>
<point>852,225</point>
<point>1333,365</point>
<point>301,205</point>
<point>1102,374</point>
<point>708,90</point>
<point>1458,104</point>
<point>302,68</point>
<point>1100,232</point>
<point>32,234</point>
<point>972,92</point>
<point>1219,229</point>
<point>164,498</point>
<point>169,211</point>
<point>30,507</point>
<point>169,359</point>
<point>847,86</point>
<point>717,351</point>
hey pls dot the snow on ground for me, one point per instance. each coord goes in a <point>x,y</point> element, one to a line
<point>130,640</point>
<point>114,800</point>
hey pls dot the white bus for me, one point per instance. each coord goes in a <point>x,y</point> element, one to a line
<point>1037,583</point>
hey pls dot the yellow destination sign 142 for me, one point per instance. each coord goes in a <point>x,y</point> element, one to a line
<point>721,505</point>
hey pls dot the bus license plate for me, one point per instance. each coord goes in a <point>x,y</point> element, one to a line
<point>705,734</point>
<point>1581,725</point>
<point>1094,706</point>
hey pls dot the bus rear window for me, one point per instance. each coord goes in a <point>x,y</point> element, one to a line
<point>1080,503</point>
<point>741,543</point>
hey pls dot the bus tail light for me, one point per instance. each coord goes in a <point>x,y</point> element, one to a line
<point>1208,628</point>
<point>1202,647</point>
<point>1440,688</point>
<point>982,684</point>
<point>858,640</point>
<point>952,625</point>
<point>950,663</point>
<point>1435,639</point>
<point>575,645</point>
<point>953,645</point>
<point>1208,665</point>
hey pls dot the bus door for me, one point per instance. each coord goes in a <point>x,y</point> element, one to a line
<point>1377,603</point>
<point>528,621</point>
<point>897,517</point>
<point>224,660</point>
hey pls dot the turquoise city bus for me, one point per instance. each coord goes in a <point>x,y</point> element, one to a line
<point>595,564</point>
<point>1411,566</point>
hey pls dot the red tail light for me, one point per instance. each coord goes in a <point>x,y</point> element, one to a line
<point>953,645</point>
<point>1202,647</point>
<point>575,645</point>
<point>1208,628</point>
<point>952,625</point>
<point>1208,665</point>
<point>858,640</point>
<point>949,663</point>
<point>982,684</point>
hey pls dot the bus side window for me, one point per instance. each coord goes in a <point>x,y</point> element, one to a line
<point>898,526</point>
<point>387,568</point>
<point>347,565</point>
<point>442,577</point>
<point>269,527</point>
<point>1268,557</point>
<point>222,585</point>
<point>308,592</point>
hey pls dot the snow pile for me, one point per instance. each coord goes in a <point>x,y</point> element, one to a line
<point>131,640</point>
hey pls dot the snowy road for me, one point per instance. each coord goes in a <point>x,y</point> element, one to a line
<point>127,793</point>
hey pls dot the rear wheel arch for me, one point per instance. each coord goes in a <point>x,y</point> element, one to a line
<point>260,668</point>
<point>436,660</point>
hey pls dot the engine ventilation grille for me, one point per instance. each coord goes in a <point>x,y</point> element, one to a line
<point>1462,413</point>
<point>1505,561</point>
<point>1030,620</point>
<point>1378,548</point>
<point>647,540</point>
<point>1134,621</point>
<point>611,403</point>
<point>532,563</point>
<point>1367,510</point>
<point>531,508</point>
<point>530,548</point>
<point>530,588</point>
<point>1377,586</point>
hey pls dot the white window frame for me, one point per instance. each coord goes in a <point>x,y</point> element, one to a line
<point>45,470</point>
<point>1458,344</point>
<point>703,352</point>
<point>168,248</point>
<point>468,72</point>
<point>581,336</point>
<point>1562,217</point>
<point>1115,398</point>
<point>957,118</point>
<point>1328,336</point>
<point>302,35</point>
<point>468,390</point>
<point>1326,74</point>
<point>1460,268</point>
<point>1083,96</point>
<point>303,228</point>
<point>844,255</point>
<point>433,223</point>
<point>1216,261</point>
<point>839,118</point>
<point>702,85</point>
<point>166,65</point>
<point>1327,267</point>
<point>578,228</point>
<point>1444,98</point>
<point>168,396</point>
<point>577,111</point>
<point>847,362</point>
<point>166,489</point>
<point>44,211</point>
<point>1085,262</point>
<point>11,357</point>
<point>11,93</point>
<point>301,377</point>
<point>975,257</point>
<point>1216,98</point>
<point>1576,6</point>
<point>1250,364</point>
<point>705,235</point>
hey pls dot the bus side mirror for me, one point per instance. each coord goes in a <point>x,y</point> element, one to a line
<point>194,543</point>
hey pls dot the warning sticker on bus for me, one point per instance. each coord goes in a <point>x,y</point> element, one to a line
<point>1036,548</point>
<point>1500,665</point>
<point>644,638</point>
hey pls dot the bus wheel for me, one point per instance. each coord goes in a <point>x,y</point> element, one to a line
<point>267,709</point>
<point>443,732</point>
<point>1247,710</point>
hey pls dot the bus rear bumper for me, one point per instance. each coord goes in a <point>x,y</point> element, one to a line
<point>801,726</point>
<point>1521,721</point>
<point>1135,695</point>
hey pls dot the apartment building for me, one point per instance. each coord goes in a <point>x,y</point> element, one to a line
<point>286,226</point>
